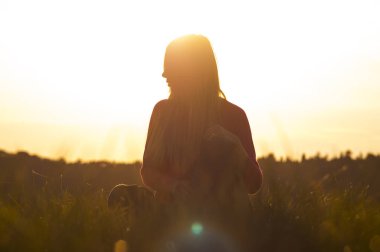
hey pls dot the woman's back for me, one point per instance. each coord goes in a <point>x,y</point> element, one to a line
<point>231,117</point>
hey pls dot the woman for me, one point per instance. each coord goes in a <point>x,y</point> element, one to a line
<point>199,154</point>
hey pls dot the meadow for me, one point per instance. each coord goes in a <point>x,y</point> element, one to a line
<point>313,204</point>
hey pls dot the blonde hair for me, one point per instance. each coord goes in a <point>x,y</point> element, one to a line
<point>192,75</point>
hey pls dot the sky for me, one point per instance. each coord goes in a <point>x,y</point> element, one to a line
<point>79,79</point>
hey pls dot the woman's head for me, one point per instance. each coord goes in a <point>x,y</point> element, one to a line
<point>190,68</point>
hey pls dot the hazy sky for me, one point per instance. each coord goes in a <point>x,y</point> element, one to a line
<point>79,78</point>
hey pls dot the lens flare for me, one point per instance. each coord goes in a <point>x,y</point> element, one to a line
<point>196,228</point>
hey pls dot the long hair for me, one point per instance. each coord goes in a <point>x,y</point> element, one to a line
<point>193,105</point>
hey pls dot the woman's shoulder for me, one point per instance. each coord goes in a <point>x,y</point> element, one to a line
<point>231,108</point>
<point>161,105</point>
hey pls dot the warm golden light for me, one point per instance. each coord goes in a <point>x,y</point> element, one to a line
<point>79,78</point>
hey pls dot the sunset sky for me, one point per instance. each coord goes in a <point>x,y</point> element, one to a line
<point>79,78</point>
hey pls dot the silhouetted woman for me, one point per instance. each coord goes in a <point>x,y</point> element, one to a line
<point>199,155</point>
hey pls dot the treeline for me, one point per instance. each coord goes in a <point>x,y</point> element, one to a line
<point>22,171</point>
<point>327,174</point>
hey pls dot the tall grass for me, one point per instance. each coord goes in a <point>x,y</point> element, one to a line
<point>313,205</point>
<point>296,213</point>
<point>60,223</point>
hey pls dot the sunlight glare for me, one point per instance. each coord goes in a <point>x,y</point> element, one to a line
<point>196,228</point>
<point>99,63</point>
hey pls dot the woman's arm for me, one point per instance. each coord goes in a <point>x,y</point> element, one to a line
<point>154,179</point>
<point>151,168</point>
<point>253,175</point>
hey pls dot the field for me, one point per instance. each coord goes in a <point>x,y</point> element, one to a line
<point>315,204</point>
